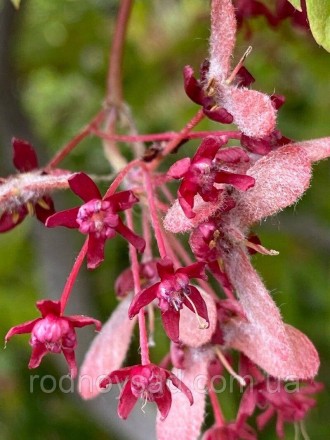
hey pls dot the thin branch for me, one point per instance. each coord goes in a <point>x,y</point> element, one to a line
<point>114,82</point>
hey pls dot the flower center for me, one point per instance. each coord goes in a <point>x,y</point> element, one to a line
<point>149,386</point>
<point>174,291</point>
<point>97,217</point>
<point>55,333</point>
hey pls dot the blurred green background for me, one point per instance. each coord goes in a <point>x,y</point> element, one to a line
<point>54,57</point>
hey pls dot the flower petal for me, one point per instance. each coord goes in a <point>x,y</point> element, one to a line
<point>80,321</point>
<point>240,181</point>
<point>165,268</point>
<point>209,148</point>
<point>117,376</point>
<point>164,403</point>
<point>71,361</point>
<point>171,324</point>
<point>126,401</point>
<point>199,303</point>
<point>10,220</point>
<point>107,351</point>
<point>43,213</point>
<point>195,270</point>
<point>192,87</point>
<point>179,168</point>
<point>135,240</point>
<point>84,187</point>
<point>25,158</point>
<point>95,251</point>
<point>67,218</point>
<point>38,352</point>
<point>142,299</point>
<point>47,306</point>
<point>122,200</point>
<point>20,329</point>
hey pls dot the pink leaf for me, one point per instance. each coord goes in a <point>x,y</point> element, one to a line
<point>316,149</point>
<point>176,221</point>
<point>281,179</point>
<point>108,350</point>
<point>184,422</point>
<point>253,111</point>
<point>190,334</point>
<point>279,349</point>
<point>223,37</point>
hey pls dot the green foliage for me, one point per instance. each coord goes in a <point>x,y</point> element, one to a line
<point>319,19</point>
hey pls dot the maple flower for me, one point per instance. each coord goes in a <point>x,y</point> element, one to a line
<point>274,397</point>
<point>98,217</point>
<point>230,431</point>
<point>23,203</point>
<point>205,169</point>
<point>53,333</point>
<point>147,382</point>
<point>172,292</point>
<point>281,177</point>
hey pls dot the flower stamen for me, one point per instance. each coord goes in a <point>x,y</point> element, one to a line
<point>229,368</point>
<point>201,325</point>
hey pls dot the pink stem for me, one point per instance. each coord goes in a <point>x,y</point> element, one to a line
<point>147,254</point>
<point>114,86</point>
<point>167,136</point>
<point>73,276</point>
<point>219,419</point>
<point>121,176</point>
<point>137,287</point>
<point>63,152</point>
<point>176,141</point>
<point>154,214</point>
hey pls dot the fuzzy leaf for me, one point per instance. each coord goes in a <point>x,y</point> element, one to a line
<point>318,12</point>
<point>253,111</point>
<point>223,37</point>
<point>107,351</point>
<point>184,422</point>
<point>282,351</point>
<point>281,179</point>
<point>190,334</point>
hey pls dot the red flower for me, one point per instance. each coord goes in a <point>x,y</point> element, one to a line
<point>173,291</point>
<point>25,160</point>
<point>204,170</point>
<point>98,217</point>
<point>200,93</point>
<point>275,397</point>
<point>231,431</point>
<point>147,382</point>
<point>53,333</point>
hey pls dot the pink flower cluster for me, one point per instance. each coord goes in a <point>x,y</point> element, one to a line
<point>224,190</point>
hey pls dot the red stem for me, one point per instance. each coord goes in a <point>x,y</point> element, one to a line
<point>153,213</point>
<point>219,419</point>
<point>63,152</point>
<point>167,136</point>
<point>137,287</point>
<point>73,276</point>
<point>121,176</point>
<point>175,142</point>
<point>114,81</point>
